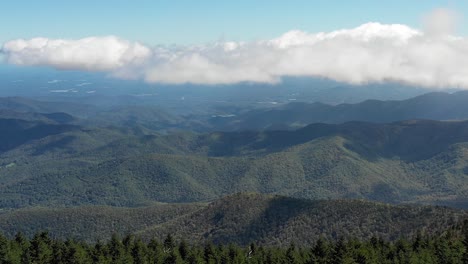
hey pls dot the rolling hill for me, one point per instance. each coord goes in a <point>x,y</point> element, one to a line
<point>90,223</point>
<point>278,220</point>
<point>410,161</point>
<point>239,218</point>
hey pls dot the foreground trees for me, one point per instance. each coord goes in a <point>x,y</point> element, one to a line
<point>450,247</point>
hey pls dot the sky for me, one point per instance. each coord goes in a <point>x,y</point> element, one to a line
<point>185,22</point>
<point>414,42</point>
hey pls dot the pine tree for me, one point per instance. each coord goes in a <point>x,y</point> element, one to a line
<point>194,258</point>
<point>183,250</point>
<point>403,248</point>
<point>74,253</point>
<point>57,252</point>
<point>417,242</point>
<point>169,243</point>
<point>209,253</point>
<point>41,248</point>
<point>23,244</point>
<point>321,250</point>
<point>173,258</point>
<point>155,251</point>
<point>465,241</point>
<point>442,251</point>
<point>4,249</point>
<point>99,253</point>
<point>292,255</point>
<point>116,250</point>
<point>139,252</point>
<point>127,242</point>
<point>339,252</point>
<point>361,258</point>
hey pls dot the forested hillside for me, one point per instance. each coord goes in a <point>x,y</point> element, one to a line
<point>61,164</point>
<point>277,220</point>
<point>240,218</point>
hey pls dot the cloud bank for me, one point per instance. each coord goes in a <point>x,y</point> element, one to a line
<point>372,52</point>
<point>93,53</point>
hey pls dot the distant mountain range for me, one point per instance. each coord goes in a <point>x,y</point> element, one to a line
<point>434,106</point>
<point>133,112</point>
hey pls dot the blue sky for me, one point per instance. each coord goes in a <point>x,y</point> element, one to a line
<point>191,22</point>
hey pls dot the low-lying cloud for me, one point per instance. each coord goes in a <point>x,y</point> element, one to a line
<point>372,52</point>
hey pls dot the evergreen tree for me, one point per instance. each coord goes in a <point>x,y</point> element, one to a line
<point>321,250</point>
<point>4,249</point>
<point>116,250</point>
<point>155,252</point>
<point>139,252</point>
<point>169,243</point>
<point>339,252</point>
<point>361,258</point>
<point>209,253</point>
<point>465,241</point>
<point>74,253</point>
<point>194,258</point>
<point>417,242</point>
<point>41,248</point>
<point>224,258</point>
<point>421,249</point>
<point>173,258</point>
<point>183,250</point>
<point>57,252</point>
<point>236,255</point>
<point>292,255</point>
<point>442,251</point>
<point>23,244</point>
<point>127,242</point>
<point>403,251</point>
<point>99,253</point>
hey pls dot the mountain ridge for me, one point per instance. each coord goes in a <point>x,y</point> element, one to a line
<point>433,106</point>
<point>409,161</point>
<point>239,218</point>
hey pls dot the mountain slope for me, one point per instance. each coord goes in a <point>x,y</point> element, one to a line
<point>411,161</point>
<point>277,220</point>
<point>90,222</point>
<point>16,132</point>
<point>239,218</point>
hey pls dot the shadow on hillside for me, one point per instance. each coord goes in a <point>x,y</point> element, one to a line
<point>276,215</point>
<point>58,144</point>
<point>410,141</point>
<point>17,132</point>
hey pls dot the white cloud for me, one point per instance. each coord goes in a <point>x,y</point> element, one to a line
<point>441,21</point>
<point>372,52</point>
<point>93,53</point>
<point>369,53</point>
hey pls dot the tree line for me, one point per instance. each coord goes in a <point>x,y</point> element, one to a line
<point>450,247</point>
